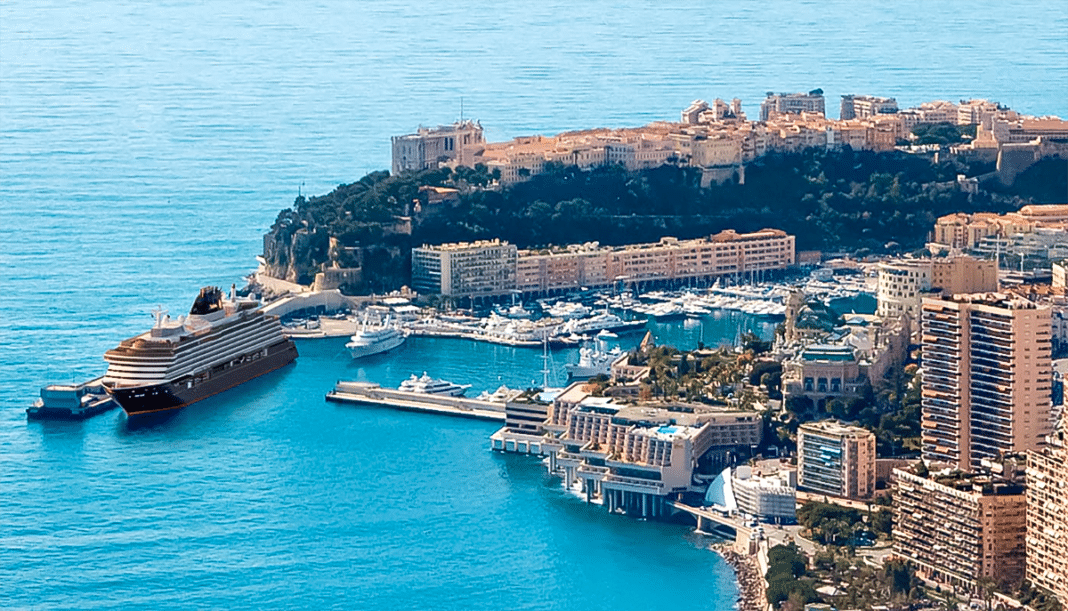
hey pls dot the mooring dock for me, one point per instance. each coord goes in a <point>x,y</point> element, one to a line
<point>71,401</point>
<point>366,393</point>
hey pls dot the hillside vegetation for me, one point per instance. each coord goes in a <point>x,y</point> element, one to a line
<point>831,200</point>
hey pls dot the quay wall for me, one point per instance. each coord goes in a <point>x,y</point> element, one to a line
<point>373,394</point>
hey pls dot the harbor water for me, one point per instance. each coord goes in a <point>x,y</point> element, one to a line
<point>145,148</point>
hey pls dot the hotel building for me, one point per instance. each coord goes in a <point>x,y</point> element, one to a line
<point>987,378</point>
<point>836,460</point>
<point>1047,516</point>
<point>959,528</point>
<point>632,456</point>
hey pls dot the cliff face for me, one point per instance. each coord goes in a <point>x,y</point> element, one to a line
<point>295,256</point>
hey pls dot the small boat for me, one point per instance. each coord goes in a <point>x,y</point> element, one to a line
<point>430,386</point>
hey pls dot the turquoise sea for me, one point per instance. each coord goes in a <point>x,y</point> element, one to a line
<point>146,147</point>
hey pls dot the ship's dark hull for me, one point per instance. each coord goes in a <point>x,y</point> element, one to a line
<point>184,391</point>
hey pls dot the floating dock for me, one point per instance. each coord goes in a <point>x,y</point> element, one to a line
<point>71,401</point>
<point>366,393</point>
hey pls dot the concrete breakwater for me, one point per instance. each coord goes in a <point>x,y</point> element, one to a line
<point>366,393</point>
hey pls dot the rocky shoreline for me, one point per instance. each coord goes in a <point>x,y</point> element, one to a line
<point>752,595</point>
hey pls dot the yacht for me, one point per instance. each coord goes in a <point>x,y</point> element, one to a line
<point>605,321</point>
<point>593,361</point>
<point>430,386</point>
<point>374,340</point>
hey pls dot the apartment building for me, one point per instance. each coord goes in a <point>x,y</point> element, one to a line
<point>959,528</point>
<point>767,497</point>
<point>425,149</point>
<point>903,282</point>
<point>492,268</point>
<point>1047,515</point>
<point>465,269</point>
<point>864,106</point>
<point>836,460</point>
<point>795,103</point>
<point>987,378</point>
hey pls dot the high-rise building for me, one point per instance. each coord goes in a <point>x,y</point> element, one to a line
<point>902,283</point>
<point>836,460</point>
<point>1047,515</point>
<point>987,380</point>
<point>959,528</point>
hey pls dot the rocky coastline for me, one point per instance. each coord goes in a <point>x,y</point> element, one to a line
<point>752,595</point>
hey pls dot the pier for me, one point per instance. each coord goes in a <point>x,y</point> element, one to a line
<point>366,393</point>
<point>71,401</point>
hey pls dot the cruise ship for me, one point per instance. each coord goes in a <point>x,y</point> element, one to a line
<point>429,386</point>
<point>374,340</point>
<point>220,345</point>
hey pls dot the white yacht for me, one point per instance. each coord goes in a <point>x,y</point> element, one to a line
<point>593,361</point>
<point>605,321</point>
<point>374,340</point>
<point>430,386</point>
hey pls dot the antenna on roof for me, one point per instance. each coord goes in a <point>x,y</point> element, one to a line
<point>461,109</point>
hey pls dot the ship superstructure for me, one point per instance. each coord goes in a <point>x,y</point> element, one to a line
<point>219,345</point>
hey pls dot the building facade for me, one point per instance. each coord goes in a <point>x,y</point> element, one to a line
<point>958,529</point>
<point>836,460</point>
<point>465,269</point>
<point>903,283</point>
<point>771,498</point>
<point>495,268</point>
<point>633,456</point>
<point>1047,516</point>
<point>987,378</point>
<point>793,103</point>
<point>864,106</point>
<point>429,147</point>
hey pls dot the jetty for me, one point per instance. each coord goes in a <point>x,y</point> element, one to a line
<point>367,393</point>
<point>71,401</point>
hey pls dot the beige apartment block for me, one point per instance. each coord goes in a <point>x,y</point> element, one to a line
<point>986,378</point>
<point>836,460</point>
<point>791,103</point>
<point>465,269</point>
<point>1047,516</point>
<point>863,106</point>
<point>492,268</point>
<point>960,528</point>
<point>727,253</point>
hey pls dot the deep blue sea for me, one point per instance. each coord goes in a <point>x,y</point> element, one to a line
<point>145,147</point>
